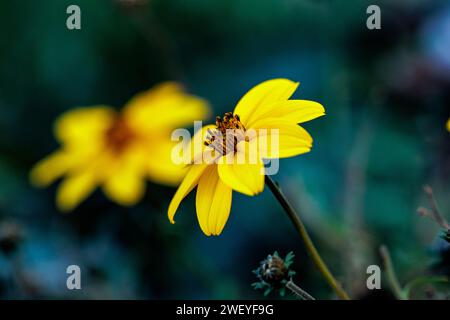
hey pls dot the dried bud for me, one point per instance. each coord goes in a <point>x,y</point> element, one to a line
<point>434,214</point>
<point>274,273</point>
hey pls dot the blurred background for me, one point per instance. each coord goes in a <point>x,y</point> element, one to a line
<point>386,94</point>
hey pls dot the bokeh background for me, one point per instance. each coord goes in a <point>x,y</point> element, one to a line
<point>387,97</point>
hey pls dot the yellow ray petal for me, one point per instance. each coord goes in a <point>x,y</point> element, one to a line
<point>281,139</point>
<point>162,107</point>
<point>83,128</point>
<point>75,188</point>
<point>81,131</point>
<point>126,185</point>
<point>186,186</point>
<point>267,92</point>
<point>161,168</point>
<point>191,151</point>
<point>59,163</point>
<point>51,168</point>
<point>245,171</point>
<point>213,202</point>
<point>295,111</point>
<point>197,145</point>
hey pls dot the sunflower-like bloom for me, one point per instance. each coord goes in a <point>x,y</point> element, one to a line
<point>118,150</point>
<point>264,108</point>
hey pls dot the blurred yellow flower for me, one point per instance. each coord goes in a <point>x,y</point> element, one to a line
<point>117,151</point>
<point>265,107</point>
<point>448,124</point>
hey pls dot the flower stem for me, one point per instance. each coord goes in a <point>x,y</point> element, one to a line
<point>391,276</point>
<point>299,291</point>
<point>299,226</point>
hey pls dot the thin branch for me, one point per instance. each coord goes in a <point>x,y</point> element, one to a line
<point>299,291</point>
<point>390,272</point>
<point>434,214</point>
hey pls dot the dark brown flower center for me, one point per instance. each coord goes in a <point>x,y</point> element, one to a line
<point>228,133</point>
<point>119,135</point>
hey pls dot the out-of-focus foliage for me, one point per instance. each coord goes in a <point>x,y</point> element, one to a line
<point>387,97</point>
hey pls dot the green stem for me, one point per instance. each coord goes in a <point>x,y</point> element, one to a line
<point>299,226</point>
<point>299,291</point>
<point>391,276</point>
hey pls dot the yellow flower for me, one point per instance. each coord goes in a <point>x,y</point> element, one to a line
<point>265,107</point>
<point>117,151</point>
<point>448,124</point>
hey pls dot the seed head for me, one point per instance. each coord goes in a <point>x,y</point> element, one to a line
<point>274,273</point>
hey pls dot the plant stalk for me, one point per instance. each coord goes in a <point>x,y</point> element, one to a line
<point>391,276</point>
<point>299,226</point>
<point>299,291</point>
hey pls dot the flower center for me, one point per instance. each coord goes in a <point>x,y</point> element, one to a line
<point>228,133</point>
<point>119,135</point>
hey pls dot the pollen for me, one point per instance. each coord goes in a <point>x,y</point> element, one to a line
<point>228,133</point>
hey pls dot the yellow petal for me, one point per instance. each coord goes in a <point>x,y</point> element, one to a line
<point>213,202</point>
<point>186,186</point>
<point>245,171</point>
<point>264,93</point>
<point>281,138</point>
<point>51,168</point>
<point>83,128</point>
<point>126,186</point>
<point>75,188</point>
<point>295,111</point>
<point>192,150</point>
<point>161,168</point>
<point>81,131</point>
<point>197,146</point>
<point>162,107</point>
<point>448,125</point>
